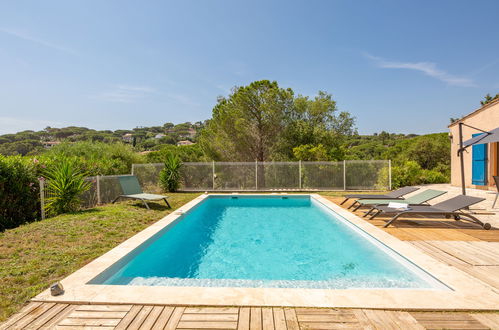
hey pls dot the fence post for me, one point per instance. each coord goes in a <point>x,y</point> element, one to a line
<point>299,172</point>
<point>213,174</point>
<point>41,182</point>
<point>133,169</point>
<point>256,174</point>
<point>389,174</point>
<point>344,174</point>
<point>98,189</point>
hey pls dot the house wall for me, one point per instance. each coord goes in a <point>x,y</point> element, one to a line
<point>486,118</point>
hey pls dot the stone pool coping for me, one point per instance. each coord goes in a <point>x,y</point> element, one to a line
<point>468,293</point>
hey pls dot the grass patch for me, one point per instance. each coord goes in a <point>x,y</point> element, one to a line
<point>37,254</point>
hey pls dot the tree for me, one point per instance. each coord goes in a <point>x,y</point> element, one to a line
<point>384,136</point>
<point>247,124</point>
<point>265,122</point>
<point>315,122</point>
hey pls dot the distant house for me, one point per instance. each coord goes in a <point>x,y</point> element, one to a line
<point>184,143</point>
<point>159,136</point>
<point>127,137</point>
<point>191,133</point>
<point>50,144</point>
<point>481,161</point>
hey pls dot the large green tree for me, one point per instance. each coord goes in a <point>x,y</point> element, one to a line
<point>264,122</point>
<point>247,124</point>
<point>315,123</point>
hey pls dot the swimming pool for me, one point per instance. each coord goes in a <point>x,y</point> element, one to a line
<point>265,241</point>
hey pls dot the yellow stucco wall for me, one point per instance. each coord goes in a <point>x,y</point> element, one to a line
<point>486,118</point>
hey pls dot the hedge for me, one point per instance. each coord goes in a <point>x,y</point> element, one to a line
<point>19,191</point>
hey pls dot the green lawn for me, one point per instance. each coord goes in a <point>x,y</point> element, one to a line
<point>38,254</point>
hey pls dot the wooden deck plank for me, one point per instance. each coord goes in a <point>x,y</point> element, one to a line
<point>104,308</point>
<point>33,315</point>
<point>141,317</point>
<point>70,327</point>
<point>206,325</point>
<point>132,313</point>
<point>489,248</point>
<point>447,320</point>
<point>174,318</point>
<point>256,318</point>
<point>279,319</point>
<point>327,326</point>
<point>380,319</point>
<point>337,317</point>
<point>151,318</point>
<point>267,319</point>
<point>363,320</point>
<point>216,310</point>
<point>488,319</point>
<point>464,252</point>
<point>244,318</point>
<point>97,314</point>
<point>16,317</point>
<point>209,317</point>
<point>407,321</point>
<point>291,319</point>
<point>47,316</point>
<point>163,318</point>
<point>59,317</point>
<point>322,311</point>
<point>90,322</point>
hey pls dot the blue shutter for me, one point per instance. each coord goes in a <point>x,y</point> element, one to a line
<point>479,165</point>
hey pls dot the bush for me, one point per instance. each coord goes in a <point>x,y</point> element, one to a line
<point>169,177</point>
<point>410,173</point>
<point>19,191</point>
<point>97,158</point>
<point>66,182</point>
<point>191,153</point>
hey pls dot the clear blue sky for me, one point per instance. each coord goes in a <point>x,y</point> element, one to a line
<point>400,66</point>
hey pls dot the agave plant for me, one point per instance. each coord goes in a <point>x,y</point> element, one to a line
<point>169,178</point>
<point>66,182</point>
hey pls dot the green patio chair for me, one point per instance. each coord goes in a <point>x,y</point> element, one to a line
<point>132,190</point>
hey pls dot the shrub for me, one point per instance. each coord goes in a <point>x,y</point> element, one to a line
<point>19,191</point>
<point>97,158</point>
<point>410,173</point>
<point>191,153</point>
<point>66,182</point>
<point>169,177</point>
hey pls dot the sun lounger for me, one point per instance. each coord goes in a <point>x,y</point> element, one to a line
<point>449,208</point>
<point>132,190</point>
<point>417,199</point>
<point>391,195</point>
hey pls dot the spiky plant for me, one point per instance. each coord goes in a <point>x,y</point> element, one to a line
<point>65,182</point>
<point>169,178</point>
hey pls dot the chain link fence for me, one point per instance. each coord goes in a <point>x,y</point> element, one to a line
<point>242,176</point>
<point>273,176</point>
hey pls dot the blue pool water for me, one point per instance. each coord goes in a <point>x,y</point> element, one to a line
<point>264,241</point>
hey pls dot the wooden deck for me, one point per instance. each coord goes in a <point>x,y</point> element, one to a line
<point>419,228</point>
<point>460,244</point>
<point>64,316</point>
<point>464,246</point>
